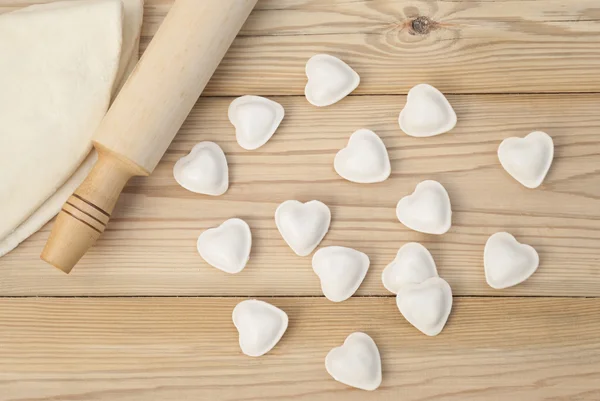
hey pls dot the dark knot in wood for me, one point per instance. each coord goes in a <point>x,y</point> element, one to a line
<point>422,26</point>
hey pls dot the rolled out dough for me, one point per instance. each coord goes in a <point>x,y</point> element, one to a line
<point>132,21</point>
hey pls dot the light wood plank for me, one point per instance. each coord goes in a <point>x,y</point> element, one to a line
<point>310,17</point>
<point>478,46</point>
<point>186,349</point>
<point>149,247</point>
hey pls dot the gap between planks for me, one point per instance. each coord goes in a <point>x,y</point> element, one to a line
<point>376,296</point>
<point>533,93</point>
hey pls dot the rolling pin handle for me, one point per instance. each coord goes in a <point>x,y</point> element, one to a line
<point>85,214</point>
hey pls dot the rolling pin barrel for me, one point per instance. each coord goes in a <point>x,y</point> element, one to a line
<point>145,116</point>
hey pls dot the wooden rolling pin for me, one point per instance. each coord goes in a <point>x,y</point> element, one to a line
<point>145,116</point>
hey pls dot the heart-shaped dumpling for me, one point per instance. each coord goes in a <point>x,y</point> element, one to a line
<point>426,305</point>
<point>341,271</point>
<point>204,170</point>
<point>329,80</point>
<point>260,326</point>
<point>507,262</point>
<point>302,225</point>
<point>413,265</point>
<point>527,159</point>
<point>427,112</point>
<point>427,209</point>
<point>255,119</point>
<point>356,363</point>
<point>226,247</point>
<point>364,160</point>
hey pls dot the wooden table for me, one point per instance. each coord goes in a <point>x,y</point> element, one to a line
<point>143,317</point>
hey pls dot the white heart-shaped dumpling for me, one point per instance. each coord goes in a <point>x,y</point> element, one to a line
<point>527,159</point>
<point>507,262</point>
<point>356,363</point>
<point>427,112</point>
<point>341,271</point>
<point>226,247</point>
<point>413,265</point>
<point>260,326</point>
<point>427,209</point>
<point>426,305</point>
<point>302,225</point>
<point>364,160</point>
<point>329,80</point>
<point>204,170</point>
<point>255,119</point>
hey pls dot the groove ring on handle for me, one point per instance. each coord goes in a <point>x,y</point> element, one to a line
<point>86,212</point>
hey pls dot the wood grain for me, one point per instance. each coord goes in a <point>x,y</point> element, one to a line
<point>186,349</point>
<point>149,246</point>
<point>476,47</point>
